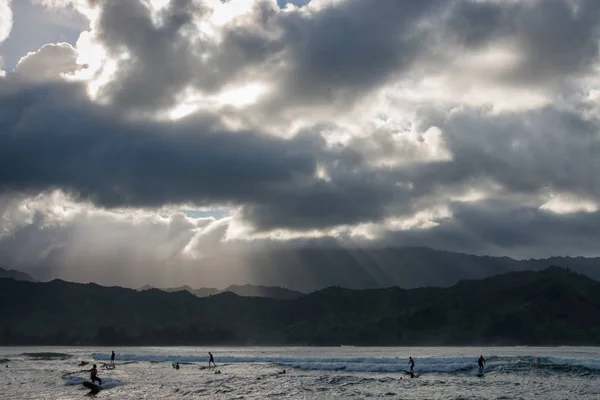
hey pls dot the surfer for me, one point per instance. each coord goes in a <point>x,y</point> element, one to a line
<point>94,375</point>
<point>411,363</point>
<point>481,363</point>
<point>176,365</point>
<point>211,360</point>
<point>112,359</point>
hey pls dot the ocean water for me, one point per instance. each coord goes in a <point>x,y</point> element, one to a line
<point>311,373</point>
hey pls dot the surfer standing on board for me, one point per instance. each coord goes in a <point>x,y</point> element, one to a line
<point>411,363</point>
<point>112,359</point>
<point>481,363</point>
<point>94,375</point>
<point>211,360</point>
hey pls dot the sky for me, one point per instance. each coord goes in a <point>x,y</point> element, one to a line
<point>139,138</point>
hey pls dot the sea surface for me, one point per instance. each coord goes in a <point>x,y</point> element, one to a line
<point>311,373</point>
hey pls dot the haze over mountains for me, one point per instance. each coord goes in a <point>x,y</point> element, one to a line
<point>241,290</point>
<point>17,275</point>
<point>312,268</point>
<point>533,308</point>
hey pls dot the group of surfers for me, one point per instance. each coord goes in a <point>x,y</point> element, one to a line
<point>211,362</point>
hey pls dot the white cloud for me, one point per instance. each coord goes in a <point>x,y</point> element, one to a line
<point>51,62</point>
<point>5,27</point>
<point>568,204</point>
<point>5,19</point>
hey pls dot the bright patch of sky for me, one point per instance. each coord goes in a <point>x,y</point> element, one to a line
<point>216,214</point>
<point>35,25</point>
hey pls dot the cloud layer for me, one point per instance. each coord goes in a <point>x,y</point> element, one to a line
<point>463,125</point>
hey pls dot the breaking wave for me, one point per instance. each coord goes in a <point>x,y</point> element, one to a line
<point>47,356</point>
<point>440,365</point>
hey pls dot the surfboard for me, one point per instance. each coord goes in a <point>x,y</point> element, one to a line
<point>93,388</point>
<point>480,374</point>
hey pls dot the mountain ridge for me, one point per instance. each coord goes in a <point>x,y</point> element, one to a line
<point>17,275</point>
<point>247,290</point>
<point>311,268</point>
<point>517,308</point>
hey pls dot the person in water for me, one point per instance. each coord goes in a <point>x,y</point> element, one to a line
<point>211,360</point>
<point>112,359</point>
<point>481,363</point>
<point>94,375</point>
<point>411,363</point>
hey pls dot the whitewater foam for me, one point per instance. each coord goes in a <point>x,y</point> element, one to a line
<point>444,365</point>
<point>312,373</point>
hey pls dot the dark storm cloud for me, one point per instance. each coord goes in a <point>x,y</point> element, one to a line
<point>319,204</point>
<point>336,53</point>
<point>556,39</point>
<point>353,47</point>
<point>51,137</point>
<point>161,60</point>
<point>505,228</point>
<point>546,149</point>
<point>340,53</point>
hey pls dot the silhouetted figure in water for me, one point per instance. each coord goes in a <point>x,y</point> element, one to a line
<point>112,359</point>
<point>94,375</point>
<point>217,372</point>
<point>211,360</point>
<point>411,363</point>
<point>481,363</point>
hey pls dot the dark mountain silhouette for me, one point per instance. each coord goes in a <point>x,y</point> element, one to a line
<point>18,275</point>
<point>313,268</point>
<point>241,290</point>
<point>550,307</point>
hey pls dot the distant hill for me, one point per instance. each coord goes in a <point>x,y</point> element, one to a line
<point>313,268</point>
<point>12,274</point>
<point>274,292</point>
<point>554,306</point>
<point>304,270</point>
<point>241,290</point>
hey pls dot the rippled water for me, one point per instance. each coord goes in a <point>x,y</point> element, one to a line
<point>311,373</point>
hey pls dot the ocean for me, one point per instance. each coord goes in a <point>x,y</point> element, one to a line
<point>311,373</point>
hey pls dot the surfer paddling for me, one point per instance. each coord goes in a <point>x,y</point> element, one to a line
<point>211,360</point>
<point>481,363</point>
